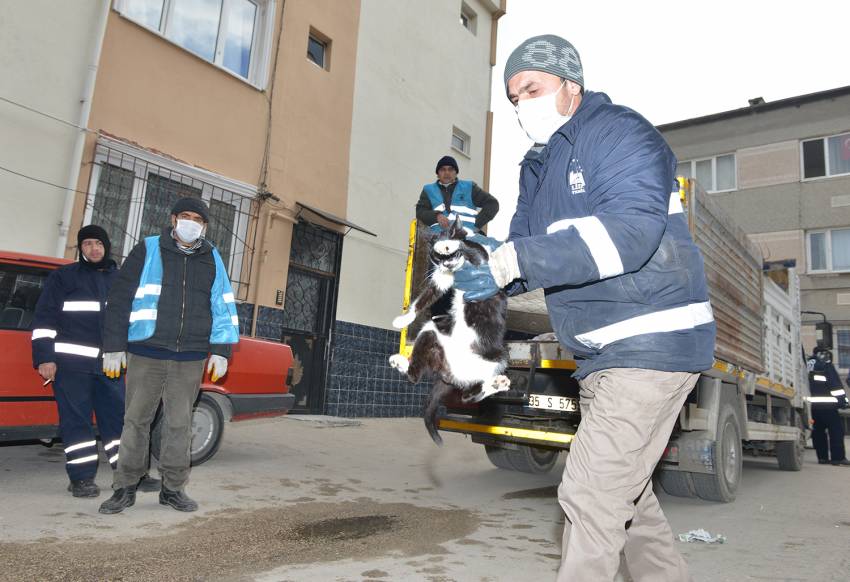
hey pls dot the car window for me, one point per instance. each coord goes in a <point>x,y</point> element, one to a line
<point>20,288</point>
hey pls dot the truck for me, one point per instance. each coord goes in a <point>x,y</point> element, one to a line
<point>256,384</point>
<point>752,400</point>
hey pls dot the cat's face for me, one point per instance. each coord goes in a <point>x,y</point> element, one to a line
<point>446,247</point>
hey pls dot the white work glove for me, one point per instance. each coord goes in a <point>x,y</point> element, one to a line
<point>217,367</point>
<point>504,265</point>
<point>113,363</point>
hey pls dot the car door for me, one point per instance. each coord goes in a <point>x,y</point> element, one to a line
<point>27,407</point>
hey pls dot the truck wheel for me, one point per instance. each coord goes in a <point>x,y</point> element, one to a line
<point>525,458</point>
<point>790,453</point>
<point>207,431</point>
<point>677,483</point>
<point>728,461</point>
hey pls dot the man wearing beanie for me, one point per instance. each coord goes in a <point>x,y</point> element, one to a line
<point>170,309</point>
<point>446,198</point>
<point>600,227</point>
<point>66,350</point>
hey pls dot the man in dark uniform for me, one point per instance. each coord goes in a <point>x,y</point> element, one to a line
<point>66,350</point>
<point>828,395</point>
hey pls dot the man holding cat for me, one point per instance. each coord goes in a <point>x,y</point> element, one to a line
<point>597,227</point>
<point>441,201</point>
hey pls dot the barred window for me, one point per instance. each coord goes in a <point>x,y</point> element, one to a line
<point>131,196</point>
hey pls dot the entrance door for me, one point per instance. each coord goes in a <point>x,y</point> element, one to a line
<point>309,310</point>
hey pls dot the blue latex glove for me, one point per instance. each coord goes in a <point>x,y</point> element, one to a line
<point>477,283</point>
<point>489,243</point>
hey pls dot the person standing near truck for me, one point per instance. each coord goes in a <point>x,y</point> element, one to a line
<point>66,350</point>
<point>827,397</point>
<point>596,227</point>
<point>441,201</point>
<point>171,306</point>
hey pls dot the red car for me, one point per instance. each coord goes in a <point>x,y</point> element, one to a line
<point>256,384</point>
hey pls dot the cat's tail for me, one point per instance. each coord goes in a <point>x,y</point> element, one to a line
<point>432,407</point>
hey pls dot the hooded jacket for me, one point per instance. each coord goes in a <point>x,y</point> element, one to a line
<point>600,226</point>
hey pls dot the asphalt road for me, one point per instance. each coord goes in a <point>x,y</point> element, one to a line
<point>320,499</point>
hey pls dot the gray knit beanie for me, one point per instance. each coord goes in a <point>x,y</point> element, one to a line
<point>548,53</point>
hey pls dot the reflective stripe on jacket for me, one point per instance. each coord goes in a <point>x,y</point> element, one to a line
<point>461,204</point>
<point>69,317</point>
<point>143,314</point>
<point>597,227</point>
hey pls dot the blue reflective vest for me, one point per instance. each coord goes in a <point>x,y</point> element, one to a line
<point>225,322</point>
<point>461,205</point>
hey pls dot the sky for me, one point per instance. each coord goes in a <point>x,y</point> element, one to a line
<point>672,60</point>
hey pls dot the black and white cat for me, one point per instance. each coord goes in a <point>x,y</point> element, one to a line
<point>465,349</point>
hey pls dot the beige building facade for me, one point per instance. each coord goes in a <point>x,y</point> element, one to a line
<point>782,170</point>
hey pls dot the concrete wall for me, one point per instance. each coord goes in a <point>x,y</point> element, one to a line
<point>45,52</point>
<point>419,73</point>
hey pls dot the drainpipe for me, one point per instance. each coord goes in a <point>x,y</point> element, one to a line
<point>83,121</point>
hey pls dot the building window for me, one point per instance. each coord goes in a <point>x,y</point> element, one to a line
<point>842,337</point>
<point>318,49</point>
<point>460,141</point>
<point>132,192</point>
<point>829,250</point>
<point>468,18</point>
<point>826,156</point>
<point>232,34</point>
<point>715,174</point>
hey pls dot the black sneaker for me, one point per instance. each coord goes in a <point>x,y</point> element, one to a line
<point>121,499</point>
<point>177,499</point>
<point>148,484</point>
<point>84,488</point>
<point>841,463</point>
<point>823,461</point>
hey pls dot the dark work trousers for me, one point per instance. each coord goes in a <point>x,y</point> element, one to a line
<point>827,420</point>
<point>77,395</point>
<point>150,381</point>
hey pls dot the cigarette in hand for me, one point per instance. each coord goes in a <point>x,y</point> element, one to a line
<point>48,381</point>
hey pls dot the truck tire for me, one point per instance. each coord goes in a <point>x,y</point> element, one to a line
<point>677,483</point>
<point>207,431</point>
<point>789,454</point>
<point>524,458</point>
<point>722,485</point>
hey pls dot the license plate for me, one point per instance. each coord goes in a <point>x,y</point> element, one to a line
<point>544,402</point>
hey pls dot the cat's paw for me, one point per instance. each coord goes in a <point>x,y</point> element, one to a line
<point>495,385</point>
<point>403,321</point>
<point>400,363</point>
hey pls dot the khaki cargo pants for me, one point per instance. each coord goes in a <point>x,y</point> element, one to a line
<point>606,491</point>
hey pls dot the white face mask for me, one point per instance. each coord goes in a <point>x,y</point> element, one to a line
<point>539,117</point>
<point>188,231</point>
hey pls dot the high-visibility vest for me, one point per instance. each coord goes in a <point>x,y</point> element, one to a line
<point>225,322</point>
<point>461,204</point>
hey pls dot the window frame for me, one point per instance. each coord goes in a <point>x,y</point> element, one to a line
<point>464,137</point>
<point>837,351</point>
<point>713,190</point>
<point>827,249</point>
<point>471,17</point>
<point>825,142</point>
<point>142,163</point>
<point>261,43</point>
<point>326,43</point>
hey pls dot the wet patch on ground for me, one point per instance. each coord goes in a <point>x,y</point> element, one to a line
<point>550,492</point>
<point>233,545</point>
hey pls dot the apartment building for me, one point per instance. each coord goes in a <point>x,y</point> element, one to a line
<point>308,126</point>
<point>782,170</point>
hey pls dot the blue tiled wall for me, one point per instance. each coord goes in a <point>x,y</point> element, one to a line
<point>361,382</point>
